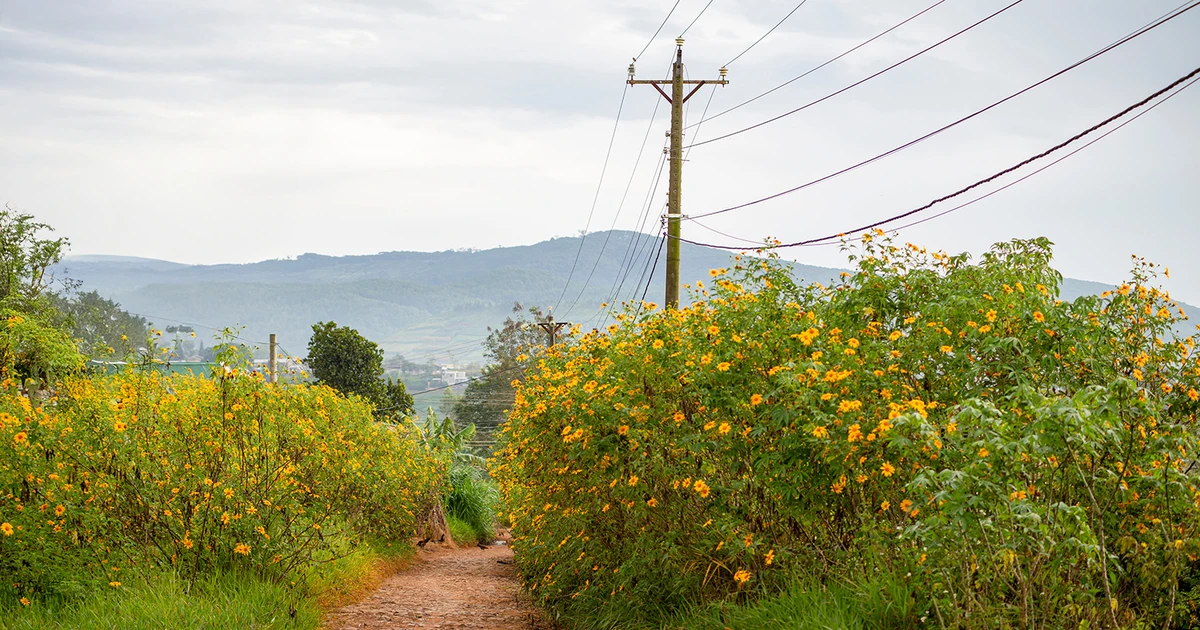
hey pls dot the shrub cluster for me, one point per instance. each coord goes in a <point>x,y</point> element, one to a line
<point>120,474</point>
<point>1027,460</point>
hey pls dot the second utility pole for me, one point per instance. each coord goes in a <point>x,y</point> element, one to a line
<point>675,190</point>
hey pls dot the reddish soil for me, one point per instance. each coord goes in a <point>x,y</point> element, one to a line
<point>447,588</point>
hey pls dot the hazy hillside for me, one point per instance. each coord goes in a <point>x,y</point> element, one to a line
<point>431,305</point>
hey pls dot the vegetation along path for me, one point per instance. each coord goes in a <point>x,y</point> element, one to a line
<point>447,588</point>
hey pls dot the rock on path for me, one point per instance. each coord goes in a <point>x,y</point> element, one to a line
<point>446,588</point>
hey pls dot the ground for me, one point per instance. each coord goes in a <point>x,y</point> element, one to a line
<point>447,588</point>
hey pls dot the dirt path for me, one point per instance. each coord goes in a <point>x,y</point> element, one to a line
<point>446,588</point>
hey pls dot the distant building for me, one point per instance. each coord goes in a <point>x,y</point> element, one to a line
<point>452,375</point>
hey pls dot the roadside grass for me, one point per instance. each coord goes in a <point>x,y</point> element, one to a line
<point>223,600</point>
<point>880,602</point>
<point>464,533</point>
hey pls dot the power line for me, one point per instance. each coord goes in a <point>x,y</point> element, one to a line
<point>690,24</point>
<point>650,279</point>
<point>1040,169</point>
<point>596,197</point>
<point>620,207</point>
<point>739,55</point>
<point>801,76</point>
<point>861,81</point>
<point>986,180</point>
<point>658,30</point>
<point>1139,32</point>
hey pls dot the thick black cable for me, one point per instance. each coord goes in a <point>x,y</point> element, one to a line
<point>1021,164</point>
<point>657,31</point>
<point>650,279</point>
<point>808,72</point>
<point>860,81</point>
<point>1139,32</point>
<point>777,25</point>
<point>596,197</point>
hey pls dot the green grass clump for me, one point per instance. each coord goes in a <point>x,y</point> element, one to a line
<point>462,532</point>
<point>218,600</point>
<point>472,500</point>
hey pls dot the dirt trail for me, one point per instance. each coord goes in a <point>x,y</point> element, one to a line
<point>446,588</point>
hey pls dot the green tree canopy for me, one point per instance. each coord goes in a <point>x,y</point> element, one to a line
<point>352,364</point>
<point>101,327</point>
<point>506,348</point>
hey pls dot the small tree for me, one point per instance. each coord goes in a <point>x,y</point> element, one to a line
<point>352,364</point>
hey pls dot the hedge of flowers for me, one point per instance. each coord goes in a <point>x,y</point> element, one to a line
<point>1022,459</point>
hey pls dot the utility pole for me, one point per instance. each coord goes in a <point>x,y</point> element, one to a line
<point>674,205</point>
<point>272,377</point>
<point>552,327</point>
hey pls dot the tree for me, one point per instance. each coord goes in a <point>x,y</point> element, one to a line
<point>26,259</point>
<point>352,364</point>
<point>102,327</point>
<point>507,348</point>
<point>34,339</point>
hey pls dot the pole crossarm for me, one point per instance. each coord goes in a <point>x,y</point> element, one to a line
<point>669,82</point>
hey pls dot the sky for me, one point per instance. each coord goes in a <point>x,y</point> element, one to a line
<point>244,130</point>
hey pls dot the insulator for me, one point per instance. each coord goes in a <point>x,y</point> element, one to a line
<point>631,71</point>
<point>679,41</point>
<point>723,71</point>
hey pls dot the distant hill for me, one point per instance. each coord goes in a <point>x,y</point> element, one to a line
<point>428,305</point>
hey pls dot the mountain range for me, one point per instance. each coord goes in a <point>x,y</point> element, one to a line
<point>429,306</point>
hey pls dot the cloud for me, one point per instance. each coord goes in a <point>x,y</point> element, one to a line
<point>236,130</point>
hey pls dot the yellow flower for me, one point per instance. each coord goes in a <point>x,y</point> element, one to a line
<point>1037,316</point>
<point>119,426</point>
<point>633,479</point>
<point>883,507</point>
<point>724,428</point>
<point>701,488</point>
<point>1137,375</point>
<point>983,452</point>
<point>20,438</point>
<point>24,601</point>
<point>947,349</point>
<point>905,505</point>
<point>887,469</point>
<point>713,330</point>
<point>652,502</point>
<point>742,576</point>
<point>242,548</point>
<point>1194,395</point>
<point>623,429</point>
<point>115,584</point>
<point>821,432</point>
<point>658,343</point>
<point>6,528</point>
<point>679,417</point>
<point>723,366</point>
<point>58,511</point>
<point>769,558</point>
<point>756,399</point>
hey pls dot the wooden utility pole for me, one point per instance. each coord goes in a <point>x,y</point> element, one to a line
<point>675,191</point>
<point>272,377</point>
<point>552,327</point>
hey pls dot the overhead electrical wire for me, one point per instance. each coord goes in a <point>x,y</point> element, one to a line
<point>860,81</point>
<point>658,30</point>
<point>808,72</point>
<point>693,22</point>
<point>764,36</point>
<point>986,180</point>
<point>650,278</point>
<point>1139,32</point>
<point>596,197</point>
<point>620,206</point>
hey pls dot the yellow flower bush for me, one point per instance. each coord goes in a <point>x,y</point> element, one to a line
<point>884,389</point>
<point>138,470</point>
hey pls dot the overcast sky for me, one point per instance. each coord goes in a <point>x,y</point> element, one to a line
<point>242,130</point>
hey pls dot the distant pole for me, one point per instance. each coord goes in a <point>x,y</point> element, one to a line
<point>552,327</point>
<point>675,190</point>
<point>271,362</point>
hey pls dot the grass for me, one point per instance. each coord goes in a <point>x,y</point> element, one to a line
<point>462,532</point>
<point>472,501</point>
<point>878,602</point>
<point>228,600</point>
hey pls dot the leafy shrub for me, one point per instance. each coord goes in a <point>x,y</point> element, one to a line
<point>1027,458</point>
<point>133,471</point>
